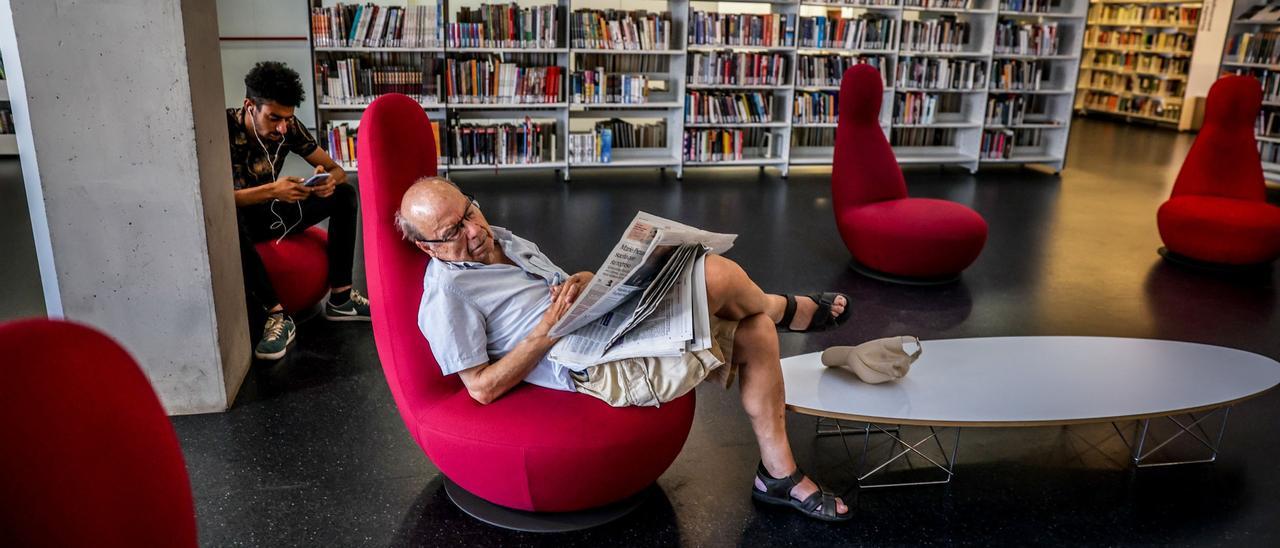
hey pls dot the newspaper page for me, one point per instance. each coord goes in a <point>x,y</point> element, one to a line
<point>642,302</point>
<point>632,265</point>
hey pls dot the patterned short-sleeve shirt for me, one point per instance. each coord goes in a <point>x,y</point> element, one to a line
<point>254,164</point>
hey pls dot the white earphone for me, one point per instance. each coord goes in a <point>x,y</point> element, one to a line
<point>275,174</point>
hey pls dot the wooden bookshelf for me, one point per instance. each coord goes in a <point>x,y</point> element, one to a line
<point>1040,138</point>
<point>1137,83</point>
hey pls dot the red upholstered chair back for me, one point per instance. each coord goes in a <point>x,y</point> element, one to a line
<point>89,457</point>
<point>395,148</point>
<point>1224,160</point>
<point>864,169</point>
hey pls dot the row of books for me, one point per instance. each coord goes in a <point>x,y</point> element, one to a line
<point>920,108</point>
<point>1006,110</point>
<point>598,86</point>
<point>1254,47</point>
<point>813,137</point>
<point>827,70</point>
<point>625,62</point>
<point>1270,83</point>
<point>1120,14</point>
<point>370,25</point>
<point>815,107</point>
<point>922,137</point>
<point>941,73</point>
<point>1270,152</point>
<point>727,108</point>
<point>361,79</point>
<point>1021,38</point>
<point>635,135</point>
<point>1137,62</point>
<point>617,29</point>
<point>491,80</point>
<point>1020,75</point>
<point>594,147</point>
<point>506,26</point>
<point>948,4</point>
<point>944,34</point>
<point>1135,104</point>
<point>1032,6</point>
<point>341,141</point>
<point>526,142</point>
<point>867,31</point>
<point>1265,12</point>
<point>1267,124</point>
<point>741,29</point>
<point>6,122</point>
<point>1168,42</point>
<point>999,144</point>
<point>737,68</point>
<point>719,145</point>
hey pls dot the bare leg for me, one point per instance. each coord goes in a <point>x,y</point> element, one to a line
<point>735,296</point>
<point>732,295</point>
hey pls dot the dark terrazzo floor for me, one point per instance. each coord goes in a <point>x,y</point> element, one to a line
<point>314,454</point>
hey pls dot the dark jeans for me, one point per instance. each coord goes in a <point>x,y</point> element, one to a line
<point>258,224</point>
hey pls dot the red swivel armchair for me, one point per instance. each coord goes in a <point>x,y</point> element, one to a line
<point>298,267</point>
<point>89,456</point>
<point>534,449</point>
<point>891,236</point>
<point>1218,211</point>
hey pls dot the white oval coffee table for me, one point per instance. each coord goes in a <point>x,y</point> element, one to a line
<point>1038,381</point>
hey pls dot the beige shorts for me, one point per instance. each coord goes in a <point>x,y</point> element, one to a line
<point>655,381</point>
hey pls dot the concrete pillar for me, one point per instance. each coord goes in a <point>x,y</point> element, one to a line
<point>123,143</point>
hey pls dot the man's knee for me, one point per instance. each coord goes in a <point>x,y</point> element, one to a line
<point>344,195</point>
<point>755,337</point>
<point>722,272</point>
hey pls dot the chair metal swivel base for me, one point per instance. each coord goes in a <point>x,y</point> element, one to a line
<point>901,280</point>
<point>540,522</point>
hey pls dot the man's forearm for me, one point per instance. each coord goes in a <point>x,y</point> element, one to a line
<point>497,378</point>
<point>253,195</point>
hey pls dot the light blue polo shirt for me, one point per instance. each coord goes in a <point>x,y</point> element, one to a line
<point>473,313</point>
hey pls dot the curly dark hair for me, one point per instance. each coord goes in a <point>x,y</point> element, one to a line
<point>273,81</point>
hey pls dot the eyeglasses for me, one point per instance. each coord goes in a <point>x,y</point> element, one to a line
<point>456,230</point>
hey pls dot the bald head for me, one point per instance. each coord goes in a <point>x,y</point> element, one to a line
<point>434,209</point>
<point>423,204</point>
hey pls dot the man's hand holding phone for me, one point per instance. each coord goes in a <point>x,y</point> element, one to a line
<point>322,183</point>
<point>289,189</point>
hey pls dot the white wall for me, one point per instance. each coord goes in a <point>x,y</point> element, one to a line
<point>259,18</point>
<point>1206,58</point>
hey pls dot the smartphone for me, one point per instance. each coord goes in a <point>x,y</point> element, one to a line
<point>315,179</point>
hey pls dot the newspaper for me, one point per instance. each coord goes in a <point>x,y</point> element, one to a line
<point>648,299</point>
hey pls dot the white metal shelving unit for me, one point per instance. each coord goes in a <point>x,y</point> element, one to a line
<point>1049,112</point>
<point>1145,84</point>
<point>1254,17</point>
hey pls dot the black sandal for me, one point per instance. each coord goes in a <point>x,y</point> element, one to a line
<point>822,319</point>
<point>820,505</point>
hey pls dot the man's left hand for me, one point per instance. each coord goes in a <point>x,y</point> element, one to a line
<point>337,176</point>
<point>579,280</point>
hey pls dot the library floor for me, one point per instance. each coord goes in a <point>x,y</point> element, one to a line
<point>314,453</point>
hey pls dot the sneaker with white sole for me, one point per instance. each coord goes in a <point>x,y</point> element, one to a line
<point>356,309</point>
<point>276,337</point>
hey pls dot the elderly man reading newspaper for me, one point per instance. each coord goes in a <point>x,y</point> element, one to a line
<point>664,313</point>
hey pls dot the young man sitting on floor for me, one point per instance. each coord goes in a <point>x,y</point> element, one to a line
<point>489,323</point>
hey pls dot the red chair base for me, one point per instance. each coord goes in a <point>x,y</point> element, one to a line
<point>914,238</point>
<point>542,450</point>
<point>298,267</point>
<point>1220,230</point>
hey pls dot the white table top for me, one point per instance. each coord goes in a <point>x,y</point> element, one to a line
<point>1035,381</point>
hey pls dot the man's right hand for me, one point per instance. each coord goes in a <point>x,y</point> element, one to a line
<point>289,189</point>
<point>560,304</point>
